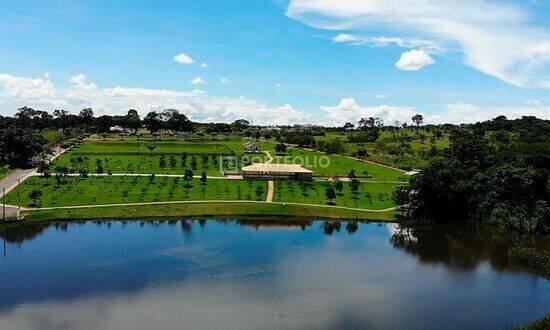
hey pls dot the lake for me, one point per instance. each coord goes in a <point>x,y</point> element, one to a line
<point>231,274</point>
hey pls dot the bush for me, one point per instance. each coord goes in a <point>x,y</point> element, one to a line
<point>535,259</point>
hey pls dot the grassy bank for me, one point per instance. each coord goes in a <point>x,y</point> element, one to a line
<point>204,210</point>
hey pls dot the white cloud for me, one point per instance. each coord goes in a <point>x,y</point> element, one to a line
<point>204,65</point>
<point>224,80</point>
<point>534,102</point>
<point>183,59</point>
<point>197,81</point>
<point>42,94</point>
<point>26,88</point>
<point>80,81</point>
<point>414,60</point>
<point>498,38</point>
<point>349,111</point>
<point>46,75</point>
<point>356,40</point>
<point>381,96</point>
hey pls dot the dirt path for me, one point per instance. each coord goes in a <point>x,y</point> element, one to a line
<point>269,156</point>
<point>199,202</point>
<point>270,191</point>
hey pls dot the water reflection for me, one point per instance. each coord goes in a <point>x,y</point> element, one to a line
<point>248,274</point>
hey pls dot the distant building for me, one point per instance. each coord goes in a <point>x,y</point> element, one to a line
<point>116,129</point>
<point>276,171</point>
<point>252,147</point>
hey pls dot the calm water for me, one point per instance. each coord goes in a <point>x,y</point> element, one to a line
<point>232,274</point>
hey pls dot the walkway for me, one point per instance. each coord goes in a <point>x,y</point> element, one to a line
<point>270,191</point>
<point>19,175</point>
<point>199,202</point>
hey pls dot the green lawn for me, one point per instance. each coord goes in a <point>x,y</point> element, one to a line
<point>314,193</point>
<point>267,210</point>
<point>331,165</point>
<point>110,190</point>
<point>134,157</point>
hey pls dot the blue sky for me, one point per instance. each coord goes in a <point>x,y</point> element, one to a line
<point>280,62</point>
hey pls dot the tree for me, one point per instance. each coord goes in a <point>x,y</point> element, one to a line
<point>417,119</point>
<point>62,117</point>
<point>203,177</point>
<point>401,198</point>
<point>349,126</point>
<point>86,117</point>
<point>18,146</point>
<point>240,125</point>
<point>35,196</point>
<point>259,192</point>
<point>177,121</point>
<point>162,161</point>
<point>370,123</point>
<point>153,122</point>
<point>99,167</point>
<point>330,194</point>
<point>362,152</point>
<point>83,173</point>
<point>132,120</point>
<point>354,186</point>
<point>194,163</point>
<point>338,185</point>
<point>188,176</point>
<point>280,148</point>
<point>351,174</point>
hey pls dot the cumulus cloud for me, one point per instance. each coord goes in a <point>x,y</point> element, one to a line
<point>456,113</point>
<point>16,92</point>
<point>496,37</point>
<point>197,81</point>
<point>26,88</point>
<point>349,111</point>
<point>224,80</point>
<point>183,59</point>
<point>80,81</point>
<point>414,60</point>
<point>204,65</point>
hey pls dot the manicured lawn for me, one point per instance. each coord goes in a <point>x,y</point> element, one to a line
<point>110,190</point>
<point>331,165</point>
<point>314,193</point>
<point>267,210</point>
<point>133,157</point>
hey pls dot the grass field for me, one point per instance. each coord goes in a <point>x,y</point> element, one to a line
<point>373,196</point>
<point>163,157</point>
<point>212,209</point>
<point>331,165</point>
<point>111,190</point>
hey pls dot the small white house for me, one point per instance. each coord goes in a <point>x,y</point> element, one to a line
<point>116,129</point>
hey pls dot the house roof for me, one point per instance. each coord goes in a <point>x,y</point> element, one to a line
<point>279,168</point>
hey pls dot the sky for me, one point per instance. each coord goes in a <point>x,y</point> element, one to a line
<point>280,62</point>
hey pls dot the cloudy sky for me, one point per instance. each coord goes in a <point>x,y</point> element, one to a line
<point>277,62</point>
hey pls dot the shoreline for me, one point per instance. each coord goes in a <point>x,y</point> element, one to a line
<point>249,210</point>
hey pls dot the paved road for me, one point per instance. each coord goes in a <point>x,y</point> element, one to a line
<point>13,178</point>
